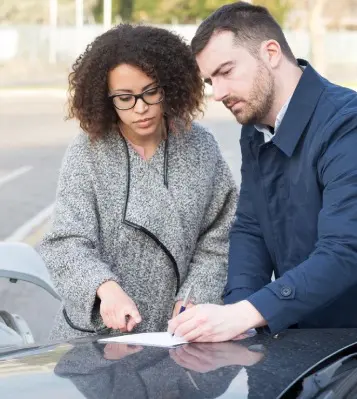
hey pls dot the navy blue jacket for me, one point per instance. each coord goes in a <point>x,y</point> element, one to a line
<point>297,213</point>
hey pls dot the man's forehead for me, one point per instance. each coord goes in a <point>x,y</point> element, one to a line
<point>221,40</point>
<point>219,50</point>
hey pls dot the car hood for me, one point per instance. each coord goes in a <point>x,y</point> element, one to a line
<point>261,367</point>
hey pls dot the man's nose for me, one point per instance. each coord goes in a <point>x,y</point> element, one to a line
<point>219,91</point>
<point>140,106</point>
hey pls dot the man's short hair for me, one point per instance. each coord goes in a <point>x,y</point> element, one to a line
<point>251,25</point>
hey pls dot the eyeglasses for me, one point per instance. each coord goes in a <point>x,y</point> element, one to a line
<point>127,101</point>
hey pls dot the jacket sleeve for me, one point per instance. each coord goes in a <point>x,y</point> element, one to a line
<point>331,269</point>
<point>71,249</point>
<point>250,266</point>
<point>208,267</point>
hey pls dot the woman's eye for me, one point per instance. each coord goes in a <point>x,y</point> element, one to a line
<point>125,98</point>
<point>152,91</point>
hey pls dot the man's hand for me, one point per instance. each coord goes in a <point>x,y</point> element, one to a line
<point>208,357</point>
<point>117,309</point>
<point>215,323</point>
<point>177,308</point>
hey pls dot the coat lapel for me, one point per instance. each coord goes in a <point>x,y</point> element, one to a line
<point>149,206</point>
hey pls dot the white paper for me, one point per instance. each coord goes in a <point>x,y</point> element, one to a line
<point>161,339</point>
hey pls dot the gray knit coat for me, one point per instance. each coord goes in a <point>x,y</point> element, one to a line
<point>155,227</point>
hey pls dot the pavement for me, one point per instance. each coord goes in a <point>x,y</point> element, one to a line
<point>33,138</point>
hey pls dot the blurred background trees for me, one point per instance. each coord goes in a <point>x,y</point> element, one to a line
<point>318,30</point>
<point>291,14</point>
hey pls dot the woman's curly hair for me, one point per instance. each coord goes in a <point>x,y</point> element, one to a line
<point>160,54</point>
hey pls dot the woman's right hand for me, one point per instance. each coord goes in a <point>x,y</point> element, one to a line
<point>117,309</point>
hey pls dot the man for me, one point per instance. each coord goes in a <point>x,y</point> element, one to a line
<point>297,211</point>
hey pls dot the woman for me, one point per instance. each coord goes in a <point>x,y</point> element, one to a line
<point>144,200</point>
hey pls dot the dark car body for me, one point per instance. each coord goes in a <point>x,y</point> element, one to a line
<point>261,366</point>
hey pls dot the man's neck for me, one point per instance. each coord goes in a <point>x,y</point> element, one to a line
<point>284,89</point>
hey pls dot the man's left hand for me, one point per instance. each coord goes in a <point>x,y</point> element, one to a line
<point>216,323</point>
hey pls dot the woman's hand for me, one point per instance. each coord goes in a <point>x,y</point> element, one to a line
<point>117,309</point>
<point>117,351</point>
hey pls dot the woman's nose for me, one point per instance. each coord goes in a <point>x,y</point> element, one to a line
<point>140,106</point>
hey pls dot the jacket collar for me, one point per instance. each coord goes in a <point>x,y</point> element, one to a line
<point>300,109</point>
<point>299,112</point>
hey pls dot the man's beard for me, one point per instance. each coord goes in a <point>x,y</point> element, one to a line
<point>260,99</point>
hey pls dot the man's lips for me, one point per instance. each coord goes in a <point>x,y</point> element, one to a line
<point>231,103</point>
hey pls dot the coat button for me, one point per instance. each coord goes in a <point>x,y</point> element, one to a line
<point>286,291</point>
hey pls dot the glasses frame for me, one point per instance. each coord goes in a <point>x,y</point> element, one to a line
<point>137,96</point>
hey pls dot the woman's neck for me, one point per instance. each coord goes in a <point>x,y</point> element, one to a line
<point>148,143</point>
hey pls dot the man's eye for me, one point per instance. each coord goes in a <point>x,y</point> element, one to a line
<point>225,73</point>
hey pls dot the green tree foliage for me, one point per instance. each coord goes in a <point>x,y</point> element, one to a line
<point>98,10</point>
<point>146,10</point>
<point>121,9</point>
<point>186,11</point>
<point>180,11</point>
<point>126,9</point>
<point>278,8</point>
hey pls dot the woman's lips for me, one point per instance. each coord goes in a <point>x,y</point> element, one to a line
<point>144,122</point>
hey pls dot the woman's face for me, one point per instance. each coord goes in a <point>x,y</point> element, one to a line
<point>141,119</point>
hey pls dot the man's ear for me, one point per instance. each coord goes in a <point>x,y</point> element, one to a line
<point>270,52</point>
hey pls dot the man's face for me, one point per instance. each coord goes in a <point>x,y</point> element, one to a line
<point>242,82</point>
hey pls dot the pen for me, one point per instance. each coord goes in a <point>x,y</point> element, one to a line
<point>185,302</point>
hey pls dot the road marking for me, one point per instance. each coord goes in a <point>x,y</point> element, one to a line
<point>13,175</point>
<point>26,229</point>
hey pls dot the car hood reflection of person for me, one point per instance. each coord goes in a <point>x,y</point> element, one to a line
<point>118,370</point>
<point>260,366</point>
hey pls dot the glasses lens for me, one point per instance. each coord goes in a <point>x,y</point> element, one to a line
<point>153,96</point>
<point>125,101</point>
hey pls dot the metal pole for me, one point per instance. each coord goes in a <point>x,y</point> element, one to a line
<point>107,14</point>
<point>79,24</point>
<point>79,13</point>
<point>53,15</point>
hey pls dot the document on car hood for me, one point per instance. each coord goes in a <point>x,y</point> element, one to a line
<point>160,339</point>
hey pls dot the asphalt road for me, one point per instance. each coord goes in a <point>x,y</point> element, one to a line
<point>33,138</point>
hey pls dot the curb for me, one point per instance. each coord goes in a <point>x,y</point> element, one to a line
<point>36,235</point>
